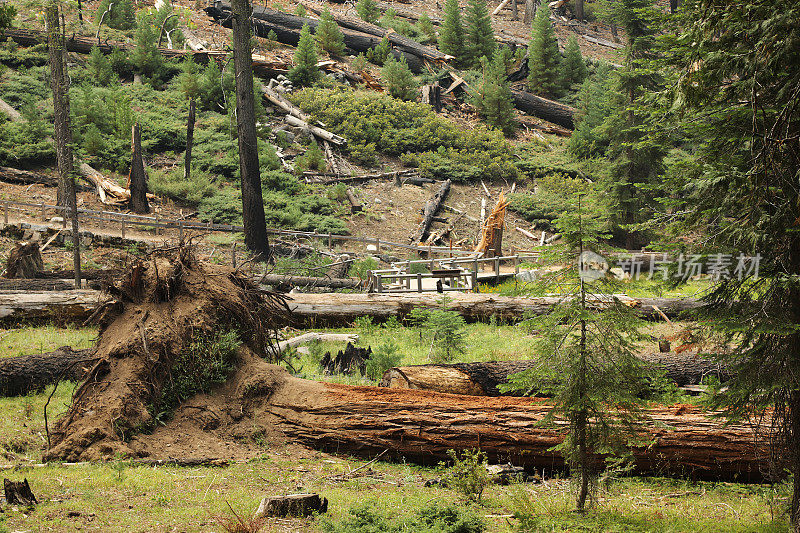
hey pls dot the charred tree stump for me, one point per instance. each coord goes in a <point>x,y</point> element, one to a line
<point>26,373</point>
<point>294,505</point>
<point>24,261</point>
<point>19,493</point>
<point>347,362</point>
<point>137,179</point>
<point>432,95</point>
<point>429,212</point>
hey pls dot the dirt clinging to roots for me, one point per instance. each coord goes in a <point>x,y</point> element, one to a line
<point>162,303</point>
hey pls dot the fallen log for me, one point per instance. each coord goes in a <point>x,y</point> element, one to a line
<point>323,134</point>
<point>99,274</point>
<point>281,282</point>
<point>287,29</point>
<point>312,336</point>
<point>336,309</point>
<point>61,307</point>
<point>429,211</point>
<point>421,426</point>
<point>26,177</point>
<point>8,110</point>
<point>604,42</point>
<point>406,44</point>
<point>22,284</point>
<point>26,373</point>
<point>482,378</point>
<point>329,179</point>
<point>355,205</point>
<point>294,505</point>
<point>549,110</point>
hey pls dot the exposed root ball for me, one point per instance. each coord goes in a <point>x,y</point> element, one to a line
<point>165,303</point>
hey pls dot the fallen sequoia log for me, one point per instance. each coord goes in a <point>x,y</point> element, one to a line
<point>482,378</point>
<point>336,309</point>
<point>26,373</point>
<point>173,298</point>
<point>286,283</point>
<point>287,29</point>
<point>429,211</point>
<point>549,110</point>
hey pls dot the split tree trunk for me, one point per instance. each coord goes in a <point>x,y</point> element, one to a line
<point>429,211</point>
<point>432,95</point>
<point>187,157</point>
<point>255,226</point>
<point>137,179</point>
<point>26,373</point>
<point>482,378</point>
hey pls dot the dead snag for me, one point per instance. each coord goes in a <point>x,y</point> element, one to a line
<point>137,179</point>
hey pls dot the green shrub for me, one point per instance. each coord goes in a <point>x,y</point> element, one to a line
<point>443,148</point>
<point>468,474</point>
<point>313,159</point>
<point>359,64</point>
<point>300,10</point>
<point>328,34</point>
<point>23,143</point>
<point>449,334</point>
<point>360,269</point>
<point>338,192</point>
<point>272,40</point>
<point>384,357</point>
<point>365,325</point>
<point>7,14</point>
<point>100,71</point>
<point>436,517</point>
<point>15,57</point>
<point>368,11</point>
<point>171,183</point>
<point>120,62</point>
<point>378,54</point>
<point>206,361</point>
<point>492,96</point>
<point>122,15</point>
<point>399,80</point>
<point>573,68</point>
<point>555,196</point>
<point>25,85</point>
<point>276,180</point>
<point>305,71</point>
<point>223,207</point>
<point>426,29</point>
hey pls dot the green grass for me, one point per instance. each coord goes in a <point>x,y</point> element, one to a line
<point>26,341</point>
<point>641,288</point>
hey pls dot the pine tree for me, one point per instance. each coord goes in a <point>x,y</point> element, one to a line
<point>379,53</point>
<point>305,71</point>
<point>121,15</point>
<point>426,29</point>
<point>738,107</point>
<point>589,138</point>
<point>328,34</point>
<point>100,68</point>
<point>543,56</point>
<point>451,37</point>
<point>399,80</point>
<point>478,35</point>
<point>573,68</point>
<point>368,11</point>
<point>636,157</point>
<point>492,96</point>
<point>587,354</point>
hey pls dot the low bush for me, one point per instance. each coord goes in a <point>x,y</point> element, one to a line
<point>468,474</point>
<point>443,148</point>
<point>384,357</point>
<point>172,184</point>
<point>437,517</point>
<point>554,196</point>
<point>120,16</point>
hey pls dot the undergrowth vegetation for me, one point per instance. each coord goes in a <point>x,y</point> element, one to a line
<point>378,124</point>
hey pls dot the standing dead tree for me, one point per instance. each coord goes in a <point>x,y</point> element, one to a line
<point>137,178</point>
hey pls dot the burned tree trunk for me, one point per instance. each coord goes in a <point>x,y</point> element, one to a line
<point>432,95</point>
<point>187,157</point>
<point>255,226</point>
<point>24,261</point>
<point>26,373</point>
<point>137,179</point>
<point>545,109</point>
<point>59,84</point>
<point>482,379</point>
<point>429,211</point>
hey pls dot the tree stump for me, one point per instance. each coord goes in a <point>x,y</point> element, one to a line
<point>24,261</point>
<point>19,493</point>
<point>432,95</point>
<point>347,361</point>
<point>295,505</point>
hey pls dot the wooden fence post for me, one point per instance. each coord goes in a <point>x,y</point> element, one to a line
<point>123,227</point>
<point>378,283</point>
<point>419,282</point>
<point>5,212</point>
<point>44,212</point>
